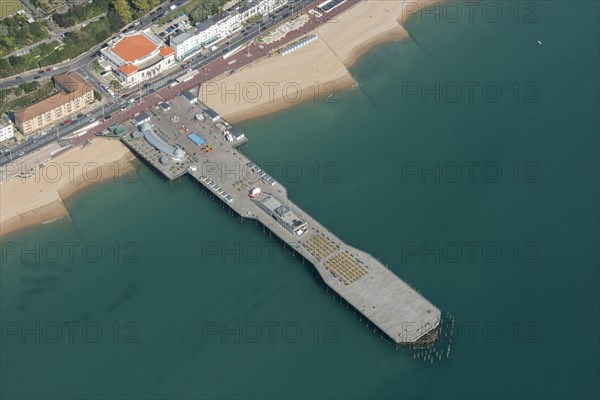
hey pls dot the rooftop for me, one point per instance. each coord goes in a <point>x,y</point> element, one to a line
<point>128,69</point>
<point>211,113</point>
<point>4,121</point>
<point>132,48</point>
<point>189,96</point>
<point>73,86</point>
<point>166,50</point>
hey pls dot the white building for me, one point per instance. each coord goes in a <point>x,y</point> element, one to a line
<point>138,56</point>
<point>6,128</point>
<point>220,26</point>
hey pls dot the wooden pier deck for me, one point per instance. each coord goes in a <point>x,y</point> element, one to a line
<point>390,304</point>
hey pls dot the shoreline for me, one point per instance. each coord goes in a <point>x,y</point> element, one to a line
<point>40,199</point>
<point>338,47</point>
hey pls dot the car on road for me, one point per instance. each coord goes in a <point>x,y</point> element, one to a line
<point>37,77</point>
<point>41,71</point>
<point>48,69</point>
<point>21,153</point>
<point>18,78</point>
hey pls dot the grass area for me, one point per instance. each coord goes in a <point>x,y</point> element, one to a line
<point>75,43</point>
<point>115,84</point>
<point>81,12</point>
<point>16,32</point>
<point>34,92</point>
<point>9,7</point>
<point>15,65</point>
<point>196,10</point>
<point>79,42</point>
<point>97,67</point>
<point>48,6</point>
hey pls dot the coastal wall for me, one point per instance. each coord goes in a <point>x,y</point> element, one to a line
<point>39,198</point>
<point>278,82</point>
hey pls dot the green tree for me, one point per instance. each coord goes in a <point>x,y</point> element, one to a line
<point>141,5</point>
<point>115,20</point>
<point>122,8</point>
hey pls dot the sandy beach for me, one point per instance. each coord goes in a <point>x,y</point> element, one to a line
<point>313,71</point>
<point>39,198</point>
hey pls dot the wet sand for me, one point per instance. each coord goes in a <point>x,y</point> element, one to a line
<point>39,198</point>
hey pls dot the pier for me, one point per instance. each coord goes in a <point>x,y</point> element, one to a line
<point>387,304</point>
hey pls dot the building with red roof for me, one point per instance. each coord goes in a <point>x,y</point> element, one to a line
<point>138,56</point>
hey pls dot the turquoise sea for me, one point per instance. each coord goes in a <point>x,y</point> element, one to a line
<point>468,164</point>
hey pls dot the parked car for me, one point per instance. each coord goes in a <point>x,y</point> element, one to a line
<point>126,95</point>
<point>48,69</point>
<point>41,71</point>
<point>37,77</point>
<point>67,121</point>
<point>107,117</point>
<point>152,91</point>
<point>18,78</point>
<point>21,153</point>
